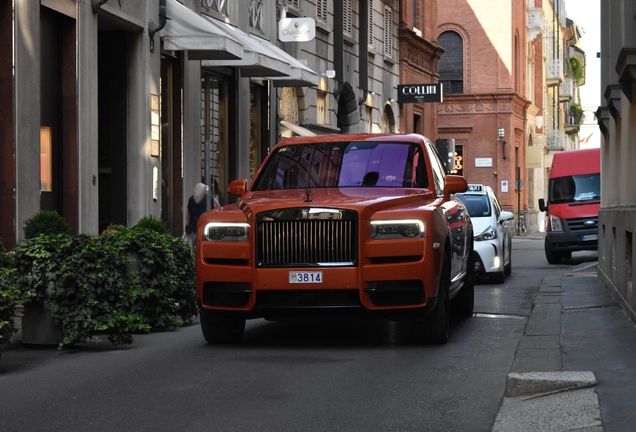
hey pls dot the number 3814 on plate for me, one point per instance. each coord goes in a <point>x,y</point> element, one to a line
<point>303,277</point>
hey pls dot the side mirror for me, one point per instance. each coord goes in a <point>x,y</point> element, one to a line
<point>542,205</point>
<point>506,215</point>
<point>454,184</point>
<point>237,188</point>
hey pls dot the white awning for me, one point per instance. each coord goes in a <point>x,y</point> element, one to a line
<point>298,130</point>
<point>258,59</point>
<point>300,74</point>
<point>186,30</point>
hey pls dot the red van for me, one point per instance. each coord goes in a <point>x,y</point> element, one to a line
<point>574,198</point>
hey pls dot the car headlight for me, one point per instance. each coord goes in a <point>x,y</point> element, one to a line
<point>489,234</point>
<point>393,229</point>
<point>555,223</point>
<point>226,231</point>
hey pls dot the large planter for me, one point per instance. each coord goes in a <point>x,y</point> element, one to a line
<point>39,327</point>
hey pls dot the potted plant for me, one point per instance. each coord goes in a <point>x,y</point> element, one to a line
<point>116,284</point>
<point>34,261</point>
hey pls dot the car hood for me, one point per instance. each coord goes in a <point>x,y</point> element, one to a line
<point>365,201</point>
<point>481,224</point>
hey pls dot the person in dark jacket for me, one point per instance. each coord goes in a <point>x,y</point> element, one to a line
<point>196,207</point>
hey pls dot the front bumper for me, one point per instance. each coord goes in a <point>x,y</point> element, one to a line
<point>568,241</point>
<point>488,257</point>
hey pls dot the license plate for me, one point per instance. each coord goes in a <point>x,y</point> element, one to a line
<point>589,237</point>
<point>303,277</point>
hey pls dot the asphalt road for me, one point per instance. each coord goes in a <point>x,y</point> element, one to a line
<point>300,376</point>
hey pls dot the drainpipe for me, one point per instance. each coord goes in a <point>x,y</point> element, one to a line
<point>97,4</point>
<point>154,28</point>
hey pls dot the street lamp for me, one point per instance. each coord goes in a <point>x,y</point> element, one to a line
<point>500,134</point>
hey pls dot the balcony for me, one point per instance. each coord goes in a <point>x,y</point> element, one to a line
<point>554,72</point>
<point>566,90</point>
<point>556,139</point>
<point>536,23</point>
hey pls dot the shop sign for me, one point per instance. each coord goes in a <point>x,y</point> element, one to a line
<point>416,93</point>
<point>296,29</point>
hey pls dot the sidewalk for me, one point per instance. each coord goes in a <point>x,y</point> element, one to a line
<point>575,366</point>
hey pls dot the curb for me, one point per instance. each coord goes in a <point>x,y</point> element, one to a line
<point>534,383</point>
<point>550,401</point>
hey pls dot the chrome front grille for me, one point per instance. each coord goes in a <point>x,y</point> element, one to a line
<point>307,243</point>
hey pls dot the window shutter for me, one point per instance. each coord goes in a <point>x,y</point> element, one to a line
<point>388,32</point>
<point>370,35</point>
<point>321,10</point>
<point>348,17</point>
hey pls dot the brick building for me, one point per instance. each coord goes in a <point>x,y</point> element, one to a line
<point>484,73</point>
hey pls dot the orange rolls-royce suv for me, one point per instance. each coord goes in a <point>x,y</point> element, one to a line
<point>360,225</point>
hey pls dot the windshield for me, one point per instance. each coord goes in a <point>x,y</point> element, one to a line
<point>343,164</point>
<point>477,205</point>
<point>578,188</point>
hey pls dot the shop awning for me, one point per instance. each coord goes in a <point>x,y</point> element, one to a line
<point>296,129</point>
<point>300,74</point>
<point>258,59</point>
<point>186,30</point>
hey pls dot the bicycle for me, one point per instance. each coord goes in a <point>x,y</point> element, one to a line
<point>520,223</point>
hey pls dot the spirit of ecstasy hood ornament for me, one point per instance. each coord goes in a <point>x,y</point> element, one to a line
<point>308,192</point>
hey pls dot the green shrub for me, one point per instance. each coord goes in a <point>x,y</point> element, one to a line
<point>113,228</point>
<point>9,296</point>
<point>162,276</point>
<point>576,68</point>
<point>6,261</point>
<point>115,285</point>
<point>152,224</point>
<point>45,222</point>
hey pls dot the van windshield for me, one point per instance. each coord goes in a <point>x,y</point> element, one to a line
<point>579,188</point>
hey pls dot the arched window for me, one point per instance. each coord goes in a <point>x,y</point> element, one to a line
<point>451,64</point>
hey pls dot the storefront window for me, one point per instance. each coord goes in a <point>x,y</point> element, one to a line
<point>46,159</point>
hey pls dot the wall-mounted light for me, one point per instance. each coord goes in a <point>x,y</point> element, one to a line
<point>500,135</point>
<point>330,73</point>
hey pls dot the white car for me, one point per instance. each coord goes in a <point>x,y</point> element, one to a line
<point>493,244</point>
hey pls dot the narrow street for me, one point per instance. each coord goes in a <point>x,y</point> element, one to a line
<point>314,375</point>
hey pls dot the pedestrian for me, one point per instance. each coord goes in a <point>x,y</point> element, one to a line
<point>196,207</point>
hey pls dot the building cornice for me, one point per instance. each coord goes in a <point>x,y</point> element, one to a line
<point>626,69</point>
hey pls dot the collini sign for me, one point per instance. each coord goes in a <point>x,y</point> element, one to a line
<point>417,93</point>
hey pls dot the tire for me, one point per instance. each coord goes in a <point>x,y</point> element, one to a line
<point>508,267</point>
<point>463,304</point>
<point>566,255</point>
<point>221,331</point>
<point>499,276</point>
<point>553,257</point>
<point>520,227</point>
<point>434,328</point>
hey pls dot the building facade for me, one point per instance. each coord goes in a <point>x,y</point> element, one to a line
<point>419,57</point>
<point>617,122</point>
<point>113,111</point>
<point>509,94</point>
<point>486,107</point>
